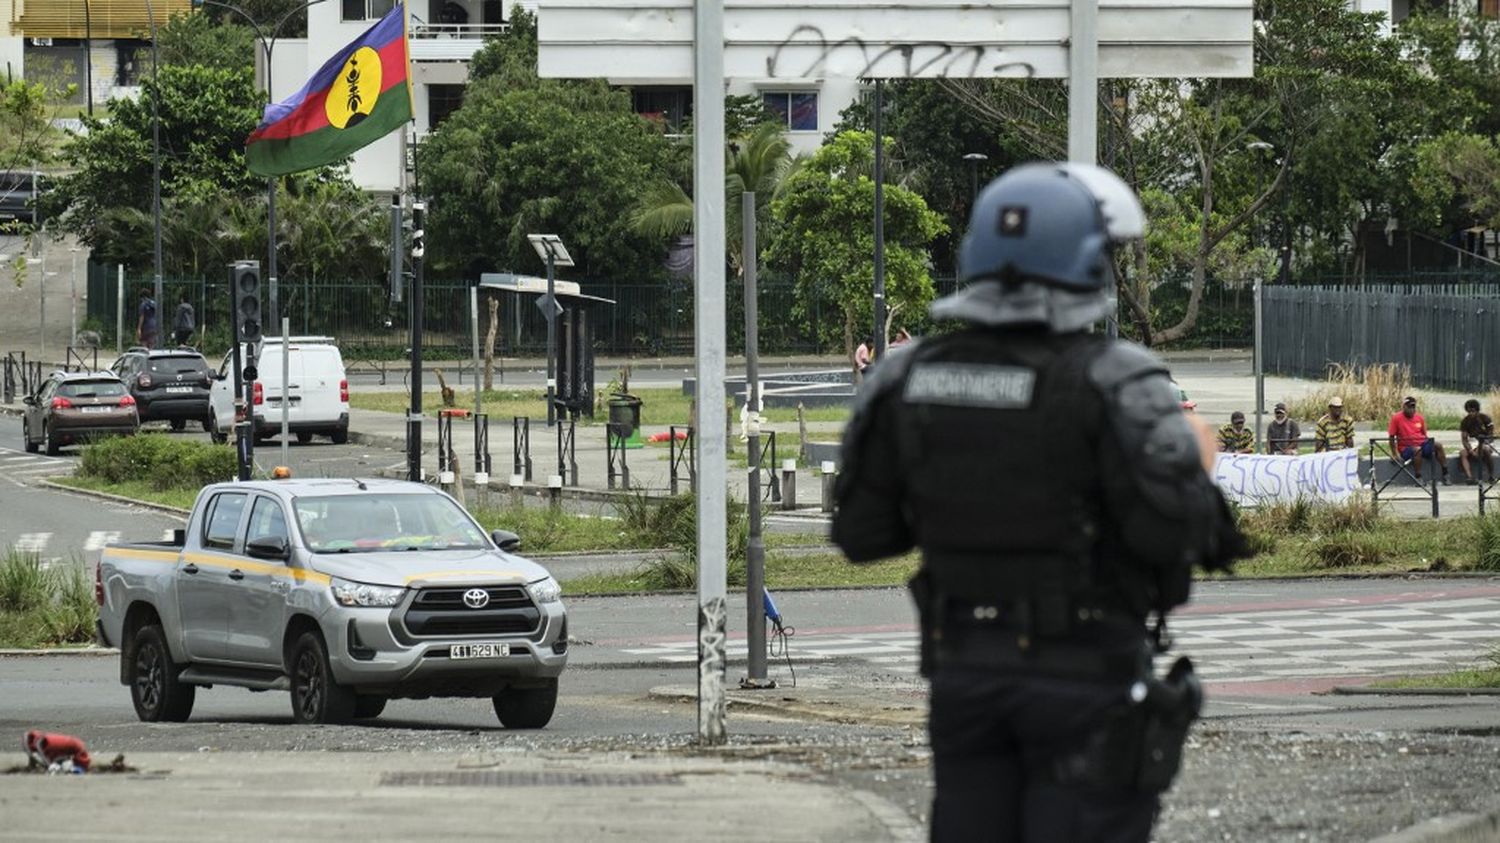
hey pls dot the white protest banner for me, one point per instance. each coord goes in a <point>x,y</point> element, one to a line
<point>1251,479</point>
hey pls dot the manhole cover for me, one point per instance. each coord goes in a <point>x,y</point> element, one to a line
<point>525,778</point>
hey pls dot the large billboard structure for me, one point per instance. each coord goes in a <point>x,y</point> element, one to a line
<point>704,42</point>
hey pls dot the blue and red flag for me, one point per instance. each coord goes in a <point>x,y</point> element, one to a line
<point>357,97</point>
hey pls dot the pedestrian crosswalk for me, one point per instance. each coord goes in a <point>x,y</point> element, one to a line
<point>1231,648</point>
<point>50,548</point>
<point>20,467</point>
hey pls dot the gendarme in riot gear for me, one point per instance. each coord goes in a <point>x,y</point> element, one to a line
<point>1059,499</point>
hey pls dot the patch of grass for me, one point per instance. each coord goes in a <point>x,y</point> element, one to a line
<point>659,406</point>
<point>1484,676</point>
<point>818,570</point>
<point>543,529</point>
<point>1385,546</point>
<point>1488,541</point>
<point>42,606</point>
<point>1345,550</point>
<point>1370,393</point>
<point>24,584</point>
<point>182,498</point>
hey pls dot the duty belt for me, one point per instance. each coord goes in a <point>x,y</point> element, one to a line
<point>982,638</point>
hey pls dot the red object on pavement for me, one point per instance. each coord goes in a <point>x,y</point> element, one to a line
<point>664,436</point>
<point>49,747</point>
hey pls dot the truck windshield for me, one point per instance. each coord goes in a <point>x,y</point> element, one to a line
<point>385,522</point>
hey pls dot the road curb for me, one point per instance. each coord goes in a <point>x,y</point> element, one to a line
<point>60,651</point>
<point>1451,828</point>
<point>1363,691</point>
<point>160,507</point>
<point>777,700</point>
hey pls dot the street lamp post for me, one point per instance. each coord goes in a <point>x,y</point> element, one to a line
<point>88,57</point>
<point>268,47</point>
<point>155,156</point>
<point>1260,147</point>
<point>974,159</point>
<point>550,248</point>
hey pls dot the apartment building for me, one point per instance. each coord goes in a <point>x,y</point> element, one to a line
<point>90,44</point>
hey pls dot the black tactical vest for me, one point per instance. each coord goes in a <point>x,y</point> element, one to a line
<point>998,432</point>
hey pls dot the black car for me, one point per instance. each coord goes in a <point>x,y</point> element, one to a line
<point>168,384</point>
<point>17,190</point>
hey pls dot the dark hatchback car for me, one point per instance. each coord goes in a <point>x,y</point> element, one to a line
<point>76,407</point>
<point>169,384</point>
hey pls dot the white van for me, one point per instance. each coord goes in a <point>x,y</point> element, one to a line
<point>317,392</point>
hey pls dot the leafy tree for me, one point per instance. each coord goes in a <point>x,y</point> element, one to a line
<point>1460,172</point>
<point>525,155</point>
<point>27,137</point>
<point>266,13</point>
<point>189,38</point>
<point>761,163</point>
<point>205,112</point>
<point>824,238</point>
<point>931,130</point>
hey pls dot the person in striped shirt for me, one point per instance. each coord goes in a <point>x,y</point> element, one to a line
<point>1334,430</point>
<point>1235,438</point>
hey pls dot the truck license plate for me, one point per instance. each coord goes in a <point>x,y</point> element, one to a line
<point>479,651</point>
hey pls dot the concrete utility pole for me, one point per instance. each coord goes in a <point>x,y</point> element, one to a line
<point>709,343</point>
<point>879,335</point>
<point>755,546</point>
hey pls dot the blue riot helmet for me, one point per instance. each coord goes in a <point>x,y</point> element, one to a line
<point>1047,232</point>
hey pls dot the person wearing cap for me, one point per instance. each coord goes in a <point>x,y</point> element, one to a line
<point>1282,433</point>
<point>1477,436</point>
<point>1334,429</point>
<point>1409,439</point>
<point>1235,438</point>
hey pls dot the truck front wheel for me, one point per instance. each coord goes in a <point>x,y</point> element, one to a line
<point>316,697</point>
<point>154,688</point>
<point>527,708</point>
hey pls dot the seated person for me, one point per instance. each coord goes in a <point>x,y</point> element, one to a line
<point>1335,430</point>
<point>1477,435</point>
<point>1282,433</point>
<point>1235,438</point>
<point>1409,439</point>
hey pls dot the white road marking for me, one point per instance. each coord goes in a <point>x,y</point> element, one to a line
<point>99,538</point>
<point>33,542</point>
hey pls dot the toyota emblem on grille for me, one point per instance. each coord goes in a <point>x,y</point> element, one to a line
<point>476,598</point>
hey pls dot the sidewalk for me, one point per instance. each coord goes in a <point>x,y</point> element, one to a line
<point>511,793</point>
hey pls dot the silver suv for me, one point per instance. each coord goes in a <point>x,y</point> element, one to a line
<point>347,593</point>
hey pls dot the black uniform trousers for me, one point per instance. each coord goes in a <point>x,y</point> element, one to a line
<point>994,736</point>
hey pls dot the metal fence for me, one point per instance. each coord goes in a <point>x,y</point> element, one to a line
<point>1449,334</point>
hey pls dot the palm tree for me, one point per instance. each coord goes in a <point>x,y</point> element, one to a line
<point>761,163</point>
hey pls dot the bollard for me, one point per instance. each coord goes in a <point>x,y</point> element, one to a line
<point>829,476</point>
<point>517,488</point>
<point>554,490</point>
<point>788,484</point>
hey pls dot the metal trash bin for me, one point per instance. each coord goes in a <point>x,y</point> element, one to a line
<point>625,418</point>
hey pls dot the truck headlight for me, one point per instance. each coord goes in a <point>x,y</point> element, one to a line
<point>545,591</point>
<point>363,594</point>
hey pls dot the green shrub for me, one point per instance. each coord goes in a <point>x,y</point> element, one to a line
<point>1346,550</point>
<point>676,572</point>
<point>70,618</point>
<point>673,524</point>
<point>1489,544</point>
<point>1357,513</point>
<point>161,461</point>
<point>24,584</point>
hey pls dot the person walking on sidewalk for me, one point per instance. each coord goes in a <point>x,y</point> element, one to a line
<point>1046,722</point>
<point>1334,430</point>
<point>148,323</point>
<point>1409,439</point>
<point>184,322</point>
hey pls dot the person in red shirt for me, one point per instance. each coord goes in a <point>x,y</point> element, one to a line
<point>1408,432</point>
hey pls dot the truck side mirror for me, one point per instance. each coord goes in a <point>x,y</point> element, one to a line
<point>29,401</point>
<point>506,540</point>
<point>268,547</point>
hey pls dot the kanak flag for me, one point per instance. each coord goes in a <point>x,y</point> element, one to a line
<point>359,96</point>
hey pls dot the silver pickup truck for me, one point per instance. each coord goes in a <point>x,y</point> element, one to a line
<point>347,593</point>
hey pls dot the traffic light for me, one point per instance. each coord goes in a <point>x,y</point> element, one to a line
<point>418,235</point>
<point>244,282</point>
